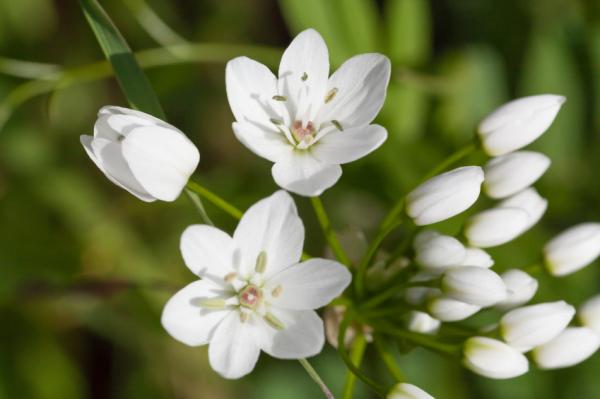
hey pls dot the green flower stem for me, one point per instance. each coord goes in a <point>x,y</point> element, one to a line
<point>424,340</point>
<point>384,352</point>
<point>330,236</point>
<point>197,202</point>
<point>356,355</point>
<point>28,69</point>
<point>214,199</point>
<point>535,268</point>
<point>316,378</point>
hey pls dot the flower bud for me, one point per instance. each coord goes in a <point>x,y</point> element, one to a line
<point>422,323</point>
<point>520,288</point>
<point>508,174</point>
<point>589,313</point>
<point>445,195</point>
<point>142,154</point>
<point>530,326</point>
<point>518,123</point>
<point>418,295</point>
<point>477,257</point>
<point>495,226</point>
<point>572,346</point>
<point>493,359</point>
<point>473,285</point>
<point>435,251</point>
<point>445,308</point>
<point>531,202</point>
<point>407,391</point>
<point>573,249</point>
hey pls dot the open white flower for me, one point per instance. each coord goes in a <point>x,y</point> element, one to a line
<point>140,153</point>
<point>254,295</point>
<point>304,121</point>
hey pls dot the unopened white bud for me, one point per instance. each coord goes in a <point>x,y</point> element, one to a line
<point>473,285</point>
<point>477,257</point>
<point>518,123</point>
<point>494,359</point>
<point>418,295</point>
<point>445,195</point>
<point>508,174</point>
<point>572,346</point>
<point>589,313</point>
<point>530,326</point>
<point>423,323</point>
<point>436,251</point>
<point>445,308</point>
<point>573,249</point>
<point>495,226</point>
<point>520,288</point>
<point>531,202</point>
<point>407,391</point>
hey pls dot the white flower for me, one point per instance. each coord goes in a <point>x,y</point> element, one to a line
<point>518,123</point>
<point>530,326</point>
<point>520,288</point>
<point>142,154</point>
<point>422,323</point>
<point>572,346</point>
<point>496,226</point>
<point>508,174</point>
<point>254,295</point>
<point>573,249</point>
<point>445,195</point>
<point>589,313</point>
<point>494,359</point>
<point>531,202</point>
<point>304,121</point>
<point>435,251</point>
<point>477,257</point>
<point>445,308</point>
<point>407,391</point>
<point>474,285</point>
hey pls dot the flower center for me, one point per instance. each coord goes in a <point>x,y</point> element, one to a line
<point>303,133</point>
<point>250,296</point>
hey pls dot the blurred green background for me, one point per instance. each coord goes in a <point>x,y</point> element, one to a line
<point>86,267</point>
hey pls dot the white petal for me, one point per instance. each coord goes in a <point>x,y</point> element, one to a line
<point>303,174</point>
<point>572,346</point>
<point>508,174</point>
<point>339,147</point>
<point>271,225</point>
<point>311,284</point>
<point>208,252</point>
<point>496,226</point>
<point>185,321</point>
<point>266,143</point>
<point>161,159</point>
<point>234,349</point>
<point>115,110</point>
<point>250,90</point>
<point>302,335</point>
<point>360,85</point>
<point>303,74</point>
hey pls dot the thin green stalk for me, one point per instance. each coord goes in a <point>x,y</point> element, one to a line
<point>356,355</point>
<point>152,24</point>
<point>328,231</point>
<point>388,358</point>
<point>197,202</point>
<point>214,199</point>
<point>316,378</point>
<point>28,69</point>
<point>426,341</point>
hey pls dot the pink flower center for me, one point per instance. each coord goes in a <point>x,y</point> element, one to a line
<point>303,133</point>
<point>250,296</point>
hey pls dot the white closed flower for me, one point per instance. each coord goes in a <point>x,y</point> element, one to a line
<point>508,174</point>
<point>418,295</point>
<point>573,249</point>
<point>477,257</point>
<point>520,288</point>
<point>572,346</point>
<point>254,294</point>
<point>495,226</point>
<point>589,313</point>
<point>530,326</point>
<point>445,195</point>
<point>304,121</point>
<point>404,390</point>
<point>445,308</point>
<point>435,251</point>
<point>531,202</point>
<point>474,285</point>
<point>422,322</point>
<point>140,153</point>
<point>518,123</point>
<point>493,359</point>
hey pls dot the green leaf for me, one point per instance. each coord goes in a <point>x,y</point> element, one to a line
<point>133,81</point>
<point>358,24</point>
<point>408,29</point>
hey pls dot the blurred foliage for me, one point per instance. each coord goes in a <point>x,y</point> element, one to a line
<point>86,267</point>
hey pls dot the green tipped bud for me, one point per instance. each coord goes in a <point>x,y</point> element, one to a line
<point>274,321</point>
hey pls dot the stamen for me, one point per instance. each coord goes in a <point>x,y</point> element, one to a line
<point>243,317</point>
<point>261,262</point>
<point>229,277</point>
<point>338,125</point>
<point>331,94</point>
<point>209,303</point>
<point>274,321</point>
<point>304,77</point>
<point>276,291</point>
<point>280,98</point>
<point>276,121</point>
